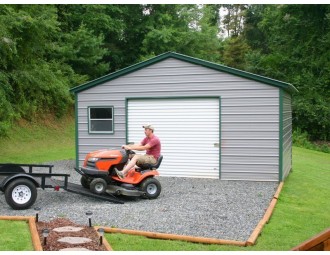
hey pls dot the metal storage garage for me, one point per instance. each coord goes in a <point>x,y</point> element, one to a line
<point>213,121</point>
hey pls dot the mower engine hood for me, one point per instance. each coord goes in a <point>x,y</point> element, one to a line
<point>105,153</point>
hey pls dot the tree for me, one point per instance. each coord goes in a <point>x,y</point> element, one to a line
<point>81,43</point>
<point>46,49</point>
<point>251,32</point>
<point>234,52</point>
<point>182,28</point>
<point>233,19</point>
<point>296,50</point>
<point>32,83</point>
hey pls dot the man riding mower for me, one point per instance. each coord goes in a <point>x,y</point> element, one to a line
<point>99,175</point>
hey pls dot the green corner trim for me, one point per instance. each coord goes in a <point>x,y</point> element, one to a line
<point>220,132</point>
<point>280,135</point>
<point>76,130</point>
<point>126,119</point>
<point>286,86</point>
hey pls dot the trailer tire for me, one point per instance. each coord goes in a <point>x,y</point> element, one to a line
<point>21,193</point>
<point>98,186</point>
<point>151,188</point>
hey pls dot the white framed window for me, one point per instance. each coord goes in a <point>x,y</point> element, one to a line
<point>100,119</point>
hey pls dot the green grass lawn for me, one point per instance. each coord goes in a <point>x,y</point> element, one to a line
<point>15,236</point>
<point>302,210</point>
<point>47,140</point>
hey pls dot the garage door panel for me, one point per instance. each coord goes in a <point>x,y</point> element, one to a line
<point>188,130</point>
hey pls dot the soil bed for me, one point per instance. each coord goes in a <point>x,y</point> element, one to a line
<point>52,243</point>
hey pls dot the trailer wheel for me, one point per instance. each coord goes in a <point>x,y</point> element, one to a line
<point>98,186</point>
<point>151,187</point>
<point>85,182</point>
<point>21,193</point>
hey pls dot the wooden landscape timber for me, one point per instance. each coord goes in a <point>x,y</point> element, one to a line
<point>320,242</point>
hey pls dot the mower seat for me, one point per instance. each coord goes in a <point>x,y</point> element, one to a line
<point>150,166</point>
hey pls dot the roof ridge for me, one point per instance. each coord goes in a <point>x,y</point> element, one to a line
<point>170,54</point>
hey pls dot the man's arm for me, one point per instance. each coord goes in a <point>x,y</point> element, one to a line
<point>137,147</point>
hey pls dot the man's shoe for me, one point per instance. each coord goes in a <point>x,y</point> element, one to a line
<point>119,173</point>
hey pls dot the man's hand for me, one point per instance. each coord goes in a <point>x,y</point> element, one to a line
<point>137,147</point>
<point>126,147</point>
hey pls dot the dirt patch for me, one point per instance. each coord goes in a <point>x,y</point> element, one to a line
<point>52,243</point>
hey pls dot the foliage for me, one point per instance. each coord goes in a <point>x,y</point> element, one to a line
<point>296,42</point>
<point>181,28</point>
<point>233,21</point>
<point>234,51</point>
<point>6,110</point>
<point>82,43</point>
<point>32,83</point>
<point>302,139</point>
<point>47,49</point>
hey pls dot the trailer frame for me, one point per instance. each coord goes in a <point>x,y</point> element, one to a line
<point>20,186</point>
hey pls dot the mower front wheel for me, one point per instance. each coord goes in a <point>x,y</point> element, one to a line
<point>98,186</point>
<point>151,188</point>
<point>85,182</point>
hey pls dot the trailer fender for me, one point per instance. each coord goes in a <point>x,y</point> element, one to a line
<point>10,178</point>
<point>11,168</point>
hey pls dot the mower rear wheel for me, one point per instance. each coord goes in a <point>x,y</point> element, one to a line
<point>85,182</point>
<point>151,187</point>
<point>98,186</point>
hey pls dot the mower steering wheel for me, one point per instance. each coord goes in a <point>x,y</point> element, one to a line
<point>129,152</point>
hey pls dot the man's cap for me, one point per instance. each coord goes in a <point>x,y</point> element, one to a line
<point>149,126</point>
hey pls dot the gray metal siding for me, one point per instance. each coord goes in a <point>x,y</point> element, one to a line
<point>287,134</point>
<point>250,135</point>
<point>249,113</point>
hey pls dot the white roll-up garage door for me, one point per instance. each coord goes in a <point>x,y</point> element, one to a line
<point>188,129</point>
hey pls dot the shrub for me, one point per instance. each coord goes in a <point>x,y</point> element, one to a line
<point>302,139</point>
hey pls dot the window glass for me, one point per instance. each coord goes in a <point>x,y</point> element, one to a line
<point>101,119</point>
<point>101,113</point>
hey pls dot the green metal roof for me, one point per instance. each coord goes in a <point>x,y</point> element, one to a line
<point>286,86</point>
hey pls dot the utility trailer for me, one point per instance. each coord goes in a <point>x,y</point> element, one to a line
<point>20,186</point>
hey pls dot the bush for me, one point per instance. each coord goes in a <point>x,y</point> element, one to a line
<point>302,139</point>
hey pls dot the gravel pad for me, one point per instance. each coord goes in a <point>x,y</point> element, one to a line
<point>186,206</point>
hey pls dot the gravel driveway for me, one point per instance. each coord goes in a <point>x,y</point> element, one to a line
<point>187,206</point>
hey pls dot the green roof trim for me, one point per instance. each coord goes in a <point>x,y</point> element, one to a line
<point>286,86</point>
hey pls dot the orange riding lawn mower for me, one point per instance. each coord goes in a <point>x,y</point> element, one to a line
<point>98,174</point>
